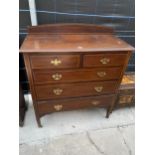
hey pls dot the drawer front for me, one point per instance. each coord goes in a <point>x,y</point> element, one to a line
<point>127,91</point>
<point>55,91</point>
<point>55,61</point>
<point>126,99</point>
<point>100,60</point>
<point>50,76</point>
<point>77,103</point>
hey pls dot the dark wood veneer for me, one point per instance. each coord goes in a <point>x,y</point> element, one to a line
<point>75,90</point>
<point>44,61</point>
<point>74,75</point>
<point>95,60</point>
<point>70,29</point>
<point>46,107</point>
<point>72,66</point>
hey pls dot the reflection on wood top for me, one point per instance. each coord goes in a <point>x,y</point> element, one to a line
<point>45,41</point>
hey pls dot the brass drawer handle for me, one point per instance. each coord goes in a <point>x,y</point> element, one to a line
<point>101,74</point>
<point>105,61</point>
<point>95,103</point>
<point>57,91</point>
<point>57,76</point>
<point>58,107</point>
<point>98,89</point>
<point>56,62</point>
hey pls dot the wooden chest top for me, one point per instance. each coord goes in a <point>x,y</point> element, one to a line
<point>79,39</point>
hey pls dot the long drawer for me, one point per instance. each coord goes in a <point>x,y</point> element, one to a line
<point>54,61</point>
<point>55,91</point>
<point>50,76</point>
<point>45,107</point>
<point>100,60</point>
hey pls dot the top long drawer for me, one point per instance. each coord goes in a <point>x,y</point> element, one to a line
<point>54,61</point>
<point>100,60</point>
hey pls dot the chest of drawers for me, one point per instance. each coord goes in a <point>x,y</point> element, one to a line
<point>73,66</point>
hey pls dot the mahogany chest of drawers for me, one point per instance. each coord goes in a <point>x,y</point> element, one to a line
<point>73,66</point>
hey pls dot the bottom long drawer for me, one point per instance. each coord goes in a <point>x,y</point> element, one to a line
<point>45,107</point>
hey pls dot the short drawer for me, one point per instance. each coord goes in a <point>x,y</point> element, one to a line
<point>99,60</point>
<point>45,107</point>
<point>126,99</point>
<point>55,91</point>
<point>78,75</point>
<point>127,91</point>
<point>55,61</point>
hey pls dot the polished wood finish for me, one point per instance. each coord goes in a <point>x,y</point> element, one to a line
<point>75,89</point>
<point>30,78</point>
<point>55,61</point>
<point>68,43</point>
<point>69,104</point>
<point>100,60</point>
<point>72,66</point>
<point>59,76</point>
<point>77,38</point>
<point>70,29</point>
